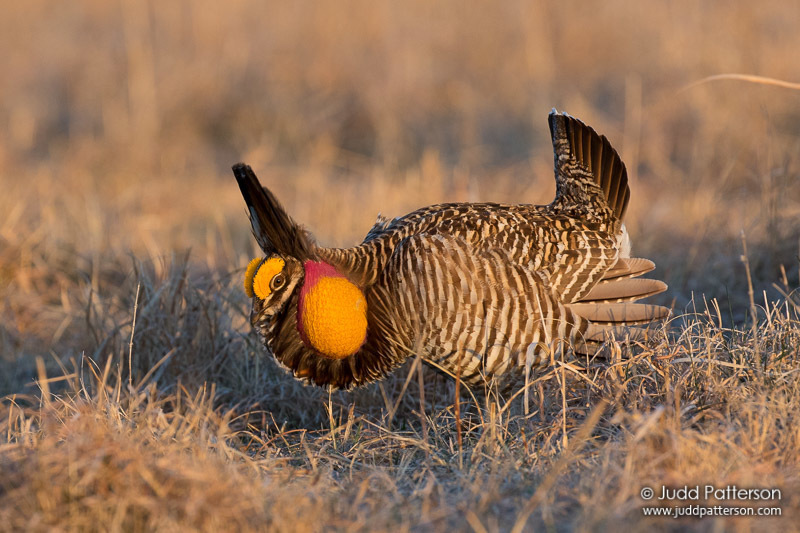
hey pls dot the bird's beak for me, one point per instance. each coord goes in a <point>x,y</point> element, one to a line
<point>255,316</point>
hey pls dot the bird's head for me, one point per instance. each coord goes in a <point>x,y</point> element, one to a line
<point>270,281</point>
<point>331,310</point>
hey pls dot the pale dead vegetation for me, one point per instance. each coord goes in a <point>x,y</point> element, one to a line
<point>258,451</point>
<point>119,123</point>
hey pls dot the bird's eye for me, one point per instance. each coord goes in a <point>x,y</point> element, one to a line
<point>277,282</point>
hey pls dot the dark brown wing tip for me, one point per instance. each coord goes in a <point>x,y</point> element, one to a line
<point>240,167</point>
<point>248,182</point>
<point>243,172</point>
<point>272,227</point>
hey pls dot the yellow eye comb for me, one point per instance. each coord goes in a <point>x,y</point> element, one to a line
<point>257,278</point>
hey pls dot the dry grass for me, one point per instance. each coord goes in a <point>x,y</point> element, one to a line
<point>119,124</point>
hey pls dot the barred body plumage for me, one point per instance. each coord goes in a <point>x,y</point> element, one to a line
<point>481,291</point>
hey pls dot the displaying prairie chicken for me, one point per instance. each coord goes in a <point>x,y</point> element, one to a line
<point>482,291</point>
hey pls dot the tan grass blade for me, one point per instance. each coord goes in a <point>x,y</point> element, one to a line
<point>751,78</point>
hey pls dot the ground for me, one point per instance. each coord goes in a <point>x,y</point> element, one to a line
<point>136,397</point>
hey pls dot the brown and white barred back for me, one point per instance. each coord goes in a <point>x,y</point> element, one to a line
<point>481,291</point>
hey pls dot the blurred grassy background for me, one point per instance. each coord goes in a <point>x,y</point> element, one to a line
<point>121,120</point>
<point>118,125</point>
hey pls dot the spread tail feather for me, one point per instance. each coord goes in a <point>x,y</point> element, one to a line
<point>588,169</point>
<point>624,290</point>
<point>615,320</point>
<point>628,267</point>
<point>610,309</point>
<point>619,314</point>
